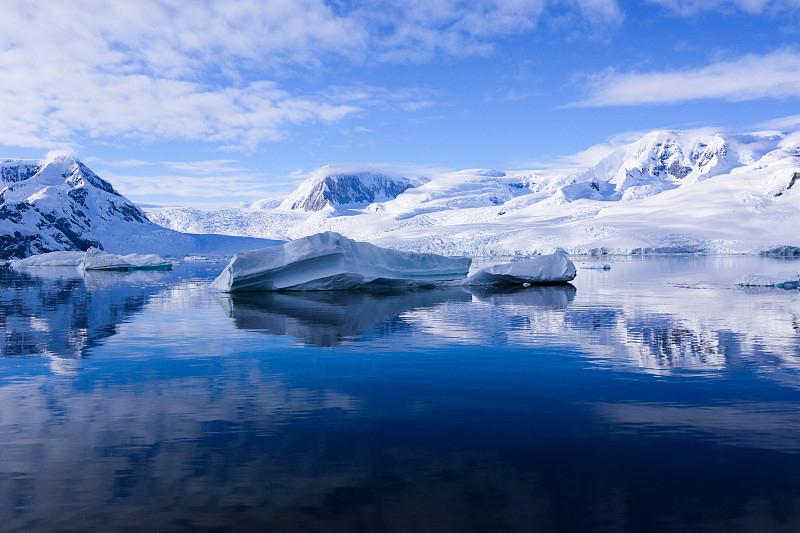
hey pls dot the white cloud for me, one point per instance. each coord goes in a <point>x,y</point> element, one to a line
<point>121,163</point>
<point>792,122</point>
<point>207,166</point>
<point>417,105</point>
<point>60,108</point>
<point>587,157</point>
<point>205,70</point>
<point>169,188</point>
<point>688,8</point>
<point>418,29</point>
<point>773,75</point>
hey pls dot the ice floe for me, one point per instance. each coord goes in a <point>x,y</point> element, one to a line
<point>778,281</point>
<point>603,266</point>
<point>542,269</point>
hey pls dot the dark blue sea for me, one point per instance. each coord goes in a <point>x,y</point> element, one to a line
<point>655,396</point>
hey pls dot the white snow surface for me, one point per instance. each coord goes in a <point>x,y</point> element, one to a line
<point>330,261</point>
<point>95,259</point>
<point>543,269</point>
<point>693,191</point>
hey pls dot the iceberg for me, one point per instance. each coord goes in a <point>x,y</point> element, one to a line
<point>50,259</point>
<point>95,259</point>
<point>330,261</point>
<point>786,281</point>
<point>603,266</point>
<point>540,270</point>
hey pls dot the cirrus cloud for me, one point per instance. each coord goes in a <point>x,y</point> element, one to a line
<point>688,8</point>
<point>753,76</point>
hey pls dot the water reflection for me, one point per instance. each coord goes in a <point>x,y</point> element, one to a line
<point>659,329</point>
<point>328,318</point>
<point>764,425</point>
<point>62,313</point>
<point>448,410</point>
<point>556,297</point>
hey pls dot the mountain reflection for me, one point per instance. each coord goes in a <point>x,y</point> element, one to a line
<point>62,313</point>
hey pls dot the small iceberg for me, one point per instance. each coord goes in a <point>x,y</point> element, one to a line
<point>778,281</point>
<point>330,261</point>
<point>95,259</point>
<point>50,259</point>
<point>603,266</point>
<point>540,270</point>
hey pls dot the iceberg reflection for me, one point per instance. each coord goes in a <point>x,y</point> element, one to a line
<point>327,318</point>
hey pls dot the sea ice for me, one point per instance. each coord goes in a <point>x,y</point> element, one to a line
<point>779,281</point>
<point>543,269</point>
<point>96,259</point>
<point>330,261</point>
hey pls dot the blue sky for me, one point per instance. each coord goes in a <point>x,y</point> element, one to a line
<point>214,103</point>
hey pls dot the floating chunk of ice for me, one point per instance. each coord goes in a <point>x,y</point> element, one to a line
<point>330,261</point>
<point>779,281</point>
<point>597,267</point>
<point>50,259</point>
<point>542,269</point>
<point>95,259</point>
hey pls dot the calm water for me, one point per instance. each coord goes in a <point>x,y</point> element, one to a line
<point>656,396</point>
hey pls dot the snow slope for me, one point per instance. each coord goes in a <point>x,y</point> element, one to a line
<point>667,191</point>
<point>59,204</point>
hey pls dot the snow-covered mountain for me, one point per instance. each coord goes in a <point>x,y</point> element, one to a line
<point>658,161</point>
<point>665,191</point>
<point>60,204</point>
<point>333,188</point>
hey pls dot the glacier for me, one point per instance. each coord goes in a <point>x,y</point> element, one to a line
<point>698,191</point>
<point>543,269</point>
<point>330,261</point>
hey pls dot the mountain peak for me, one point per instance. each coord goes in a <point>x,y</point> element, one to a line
<point>334,187</point>
<point>57,203</point>
<point>55,156</point>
